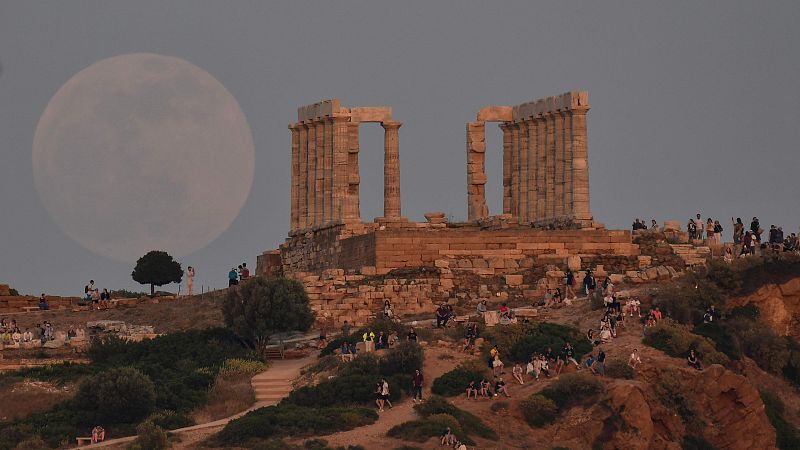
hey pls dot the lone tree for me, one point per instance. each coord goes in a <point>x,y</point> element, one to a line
<point>262,307</point>
<point>157,268</point>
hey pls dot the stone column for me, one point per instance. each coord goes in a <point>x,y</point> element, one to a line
<point>558,141</point>
<point>341,150</point>
<point>295,209</point>
<point>352,207</point>
<point>303,172</point>
<point>323,148</point>
<point>524,175</point>
<point>580,164</point>
<point>569,210</point>
<point>330,172</point>
<point>507,209</point>
<point>551,165</point>
<point>476,171</point>
<point>541,168</point>
<point>533,169</point>
<point>311,135</point>
<point>515,181</point>
<point>391,170</point>
<point>319,209</point>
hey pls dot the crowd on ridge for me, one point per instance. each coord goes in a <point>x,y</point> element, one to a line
<point>238,274</point>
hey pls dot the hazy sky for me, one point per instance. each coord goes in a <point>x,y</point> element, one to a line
<point>695,105</point>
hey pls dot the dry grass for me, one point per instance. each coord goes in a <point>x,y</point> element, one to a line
<point>25,397</point>
<point>228,396</point>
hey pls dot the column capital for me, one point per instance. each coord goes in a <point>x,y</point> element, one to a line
<point>579,110</point>
<point>295,126</point>
<point>389,125</point>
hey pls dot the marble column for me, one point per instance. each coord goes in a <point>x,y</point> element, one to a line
<point>391,170</point>
<point>302,192</point>
<point>515,163</point>
<point>507,209</point>
<point>352,207</point>
<point>558,141</point>
<point>311,190</point>
<point>476,170</point>
<point>524,175</point>
<point>580,164</point>
<point>551,165</point>
<point>568,198</point>
<point>321,199</point>
<point>341,151</point>
<point>295,209</point>
<point>533,170</point>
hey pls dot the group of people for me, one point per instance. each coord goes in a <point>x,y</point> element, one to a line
<point>93,297</point>
<point>237,274</point>
<point>450,439</point>
<point>484,389</point>
<point>12,336</point>
<point>711,228</point>
<point>639,224</point>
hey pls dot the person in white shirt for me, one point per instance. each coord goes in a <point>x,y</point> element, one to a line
<point>634,360</point>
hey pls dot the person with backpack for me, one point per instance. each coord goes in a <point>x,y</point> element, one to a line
<point>589,284</point>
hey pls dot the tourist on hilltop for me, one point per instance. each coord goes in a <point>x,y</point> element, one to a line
<point>653,225</point>
<point>239,273</point>
<point>190,281</point>
<point>43,305</point>
<point>548,298</point>
<point>600,363</point>
<point>345,352</point>
<point>590,363</point>
<point>569,355</point>
<point>233,278</point>
<point>789,244</point>
<point>738,230</point>
<point>244,271</point>
<point>557,298</point>
<point>459,445</point>
<point>383,341</point>
<point>486,390</point>
<point>634,360</point>
<point>369,341</point>
<point>472,390</point>
<point>717,232</point>
<point>590,337</point>
<point>105,299</point>
<point>416,383</point>
<point>482,307</point>
<point>379,401</point>
<point>448,438</point>
<point>442,316</point>
<point>385,392</point>
<point>516,371</point>
<point>88,290</point>
<point>728,256</point>
<point>589,284</point>
<point>98,434</point>
<point>710,230</point>
<point>636,225</point>
<point>345,329</point>
<point>691,227</point>
<point>694,360</point>
<point>500,387</point>
<point>569,282</point>
<point>412,335</point>
<point>388,311</point>
<point>755,228</point>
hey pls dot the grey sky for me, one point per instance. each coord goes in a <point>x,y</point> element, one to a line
<point>694,104</point>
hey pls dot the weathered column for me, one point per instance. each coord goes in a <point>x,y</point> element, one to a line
<point>295,171</point>
<point>524,175</point>
<point>580,163</point>
<point>568,200</point>
<point>507,208</point>
<point>391,170</point>
<point>311,191</point>
<point>302,192</point>
<point>541,168</point>
<point>352,208</point>
<point>533,170</point>
<point>341,150</point>
<point>558,141</point>
<point>476,171</point>
<point>515,181</point>
<point>551,165</point>
<point>319,209</point>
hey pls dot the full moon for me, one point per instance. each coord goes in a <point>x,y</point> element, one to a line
<point>143,152</point>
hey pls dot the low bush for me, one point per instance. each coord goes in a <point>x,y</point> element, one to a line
<point>499,407</point>
<point>676,340</point>
<point>618,368</point>
<point>759,342</point>
<point>241,366</point>
<point>551,335</point>
<point>433,426</point>
<point>671,393</point>
<point>686,300</point>
<point>122,395</point>
<point>538,410</point>
<point>346,390</point>
<point>696,443</point>
<point>455,382</point>
<point>170,420</point>
<point>405,357</point>
<point>291,420</point>
<point>723,340</point>
<point>150,437</point>
<point>787,435</point>
<point>573,389</point>
<point>34,443</point>
<point>473,425</point>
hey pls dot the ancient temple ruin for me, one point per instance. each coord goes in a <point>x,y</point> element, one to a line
<point>350,267</point>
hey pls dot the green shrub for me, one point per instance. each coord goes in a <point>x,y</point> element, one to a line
<point>671,393</point>
<point>498,406</point>
<point>347,390</point>
<point>686,300</point>
<point>170,420</point>
<point>759,342</point>
<point>405,358</point>
<point>573,389</point>
<point>455,382</point>
<point>324,364</point>
<point>240,366</point>
<point>433,426</point>
<point>34,443</point>
<point>675,340</point>
<point>788,436</point>
<point>362,364</point>
<point>696,443</point>
<point>150,437</point>
<point>538,410</point>
<point>723,340</point>
<point>292,420</point>
<point>520,341</point>
<point>57,373</point>
<point>749,311</point>
<point>123,395</point>
<point>438,405</point>
<point>619,369</point>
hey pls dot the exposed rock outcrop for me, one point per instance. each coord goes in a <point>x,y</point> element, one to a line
<point>778,305</point>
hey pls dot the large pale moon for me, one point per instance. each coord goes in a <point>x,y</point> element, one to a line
<point>143,152</point>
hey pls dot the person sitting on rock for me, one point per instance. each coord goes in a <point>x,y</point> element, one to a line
<point>345,352</point>
<point>482,308</point>
<point>589,363</point>
<point>605,334</point>
<point>486,388</point>
<point>694,360</point>
<point>557,298</point>
<point>412,335</point>
<point>590,337</point>
<point>448,438</point>
<point>442,316</point>
<point>517,372</point>
<point>472,390</point>
<point>383,340</point>
<point>634,360</point>
<point>569,355</point>
<point>459,445</point>
<point>500,387</point>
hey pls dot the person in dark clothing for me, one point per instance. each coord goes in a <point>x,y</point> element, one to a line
<point>600,363</point>
<point>417,385</point>
<point>755,228</point>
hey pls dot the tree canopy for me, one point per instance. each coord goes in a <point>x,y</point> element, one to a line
<point>157,268</point>
<point>262,307</point>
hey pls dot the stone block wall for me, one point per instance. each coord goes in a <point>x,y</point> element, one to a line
<point>15,303</point>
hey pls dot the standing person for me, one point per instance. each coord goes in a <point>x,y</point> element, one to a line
<point>412,335</point>
<point>634,360</point>
<point>589,284</point>
<point>653,225</point>
<point>379,396</point>
<point>600,363</point>
<point>710,230</point>
<point>369,341</point>
<point>570,284</point>
<point>738,230</point>
<point>345,329</point>
<point>717,232</point>
<point>245,271</point>
<point>755,228</point>
<point>691,227</point>
<point>88,289</point>
<point>105,299</point>
<point>417,385</point>
<point>239,272</point>
<point>385,392</point>
<point>233,278</point>
<point>189,281</point>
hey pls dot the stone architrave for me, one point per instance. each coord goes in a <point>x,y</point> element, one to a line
<point>302,192</point>
<point>515,170</point>
<point>580,164</point>
<point>507,207</point>
<point>352,208</point>
<point>311,190</point>
<point>320,187</point>
<point>533,172</point>
<point>524,174</point>
<point>391,170</point>
<point>295,198</point>
<point>559,163</point>
<point>341,150</point>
